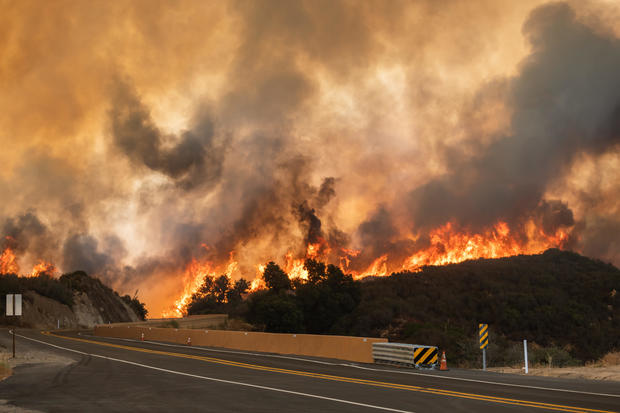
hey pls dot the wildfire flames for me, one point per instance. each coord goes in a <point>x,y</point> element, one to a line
<point>43,268</point>
<point>9,265</point>
<point>447,246</point>
<point>194,275</point>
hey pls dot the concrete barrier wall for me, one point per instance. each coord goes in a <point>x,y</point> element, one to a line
<point>357,349</point>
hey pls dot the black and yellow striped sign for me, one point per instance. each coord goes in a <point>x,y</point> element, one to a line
<point>483,334</point>
<point>425,355</point>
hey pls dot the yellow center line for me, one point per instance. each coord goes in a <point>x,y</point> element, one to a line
<point>374,383</point>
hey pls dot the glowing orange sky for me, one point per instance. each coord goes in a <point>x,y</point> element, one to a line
<point>372,93</point>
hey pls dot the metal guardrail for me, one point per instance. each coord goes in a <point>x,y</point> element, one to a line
<point>414,355</point>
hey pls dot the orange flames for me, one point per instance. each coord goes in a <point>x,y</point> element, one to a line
<point>447,245</point>
<point>9,265</point>
<point>193,278</point>
<point>43,268</point>
<point>8,262</point>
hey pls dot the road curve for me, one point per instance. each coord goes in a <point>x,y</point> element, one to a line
<point>127,375</point>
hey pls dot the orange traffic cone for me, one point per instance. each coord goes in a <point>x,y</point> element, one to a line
<point>189,341</point>
<point>142,337</point>
<point>444,362</point>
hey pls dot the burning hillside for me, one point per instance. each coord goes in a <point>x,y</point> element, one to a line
<point>367,135</point>
<point>9,265</point>
<point>446,245</point>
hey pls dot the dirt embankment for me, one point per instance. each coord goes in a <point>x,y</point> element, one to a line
<point>73,301</point>
<point>43,312</point>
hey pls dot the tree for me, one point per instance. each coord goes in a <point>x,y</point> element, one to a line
<point>218,295</point>
<point>316,270</point>
<point>275,278</point>
<point>241,286</point>
<point>278,313</point>
<point>138,307</point>
<point>328,295</point>
<point>221,286</point>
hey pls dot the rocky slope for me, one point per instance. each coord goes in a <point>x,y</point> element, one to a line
<point>73,301</point>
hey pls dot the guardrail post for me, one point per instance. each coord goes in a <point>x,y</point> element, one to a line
<point>525,355</point>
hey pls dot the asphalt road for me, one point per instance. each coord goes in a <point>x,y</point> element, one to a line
<point>114,375</point>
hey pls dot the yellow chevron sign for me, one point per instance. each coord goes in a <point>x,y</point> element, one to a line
<point>483,334</point>
<point>425,355</point>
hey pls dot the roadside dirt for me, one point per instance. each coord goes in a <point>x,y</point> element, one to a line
<point>25,353</point>
<point>608,368</point>
<point>590,373</point>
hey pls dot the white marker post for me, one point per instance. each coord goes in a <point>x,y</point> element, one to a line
<point>525,355</point>
<point>13,308</point>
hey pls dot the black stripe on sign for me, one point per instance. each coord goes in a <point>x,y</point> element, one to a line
<point>427,355</point>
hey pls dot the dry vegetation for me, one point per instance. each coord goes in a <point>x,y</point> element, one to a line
<point>607,368</point>
<point>5,368</point>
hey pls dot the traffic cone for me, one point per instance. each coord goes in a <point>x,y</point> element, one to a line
<point>444,362</point>
<point>142,337</point>
<point>189,341</point>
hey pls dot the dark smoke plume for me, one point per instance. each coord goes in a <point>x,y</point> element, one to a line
<point>194,158</point>
<point>564,102</point>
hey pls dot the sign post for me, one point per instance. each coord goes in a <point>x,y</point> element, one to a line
<point>14,308</point>
<point>483,335</point>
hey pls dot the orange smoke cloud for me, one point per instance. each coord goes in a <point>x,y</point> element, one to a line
<point>378,136</point>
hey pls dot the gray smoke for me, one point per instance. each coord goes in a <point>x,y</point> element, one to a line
<point>565,101</point>
<point>83,252</point>
<point>195,158</point>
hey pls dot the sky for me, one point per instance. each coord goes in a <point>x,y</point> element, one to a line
<point>136,136</point>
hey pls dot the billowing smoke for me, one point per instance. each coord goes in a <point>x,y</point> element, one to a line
<point>192,158</point>
<point>137,138</point>
<point>564,101</point>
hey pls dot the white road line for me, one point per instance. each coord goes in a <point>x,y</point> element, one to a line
<point>370,368</point>
<point>238,383</point>
<point>486,382</point>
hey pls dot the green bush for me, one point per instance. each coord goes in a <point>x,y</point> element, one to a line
<point>43,284</point>
<point>277,312</point>
<point>138,307</point>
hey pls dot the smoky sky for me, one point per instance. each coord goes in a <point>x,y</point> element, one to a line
<point>137,137</point>
<point>193,157</point>
<point>564,101</point>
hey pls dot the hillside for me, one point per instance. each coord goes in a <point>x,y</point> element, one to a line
<point>76,300</point>
<point>567,306</point>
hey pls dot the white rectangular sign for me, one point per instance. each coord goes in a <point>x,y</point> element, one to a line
<point>18,304</point>
<point>13,304</point>
<point>9,304</point>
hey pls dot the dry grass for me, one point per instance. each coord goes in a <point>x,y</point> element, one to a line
<point>607,368</point>
<point>5,368</point>
<point>609,360</point>
<point>235,324</point>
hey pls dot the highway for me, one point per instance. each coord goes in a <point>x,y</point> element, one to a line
<point>131,376</point>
